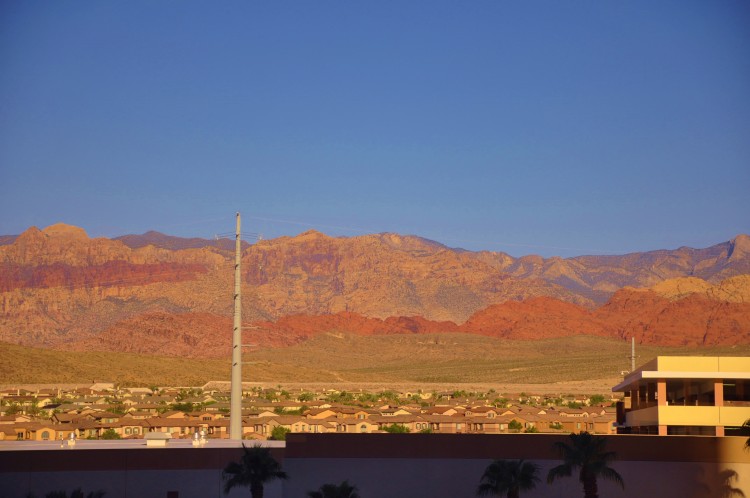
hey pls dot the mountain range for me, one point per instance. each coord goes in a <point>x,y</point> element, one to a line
<point>160,294</point>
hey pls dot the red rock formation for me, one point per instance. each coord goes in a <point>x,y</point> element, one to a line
<point>537,318</point>
<point>109,274</point>
<point>60,288</point>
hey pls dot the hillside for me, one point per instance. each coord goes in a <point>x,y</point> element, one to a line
<point>154,293</point>
<point>339,359</point>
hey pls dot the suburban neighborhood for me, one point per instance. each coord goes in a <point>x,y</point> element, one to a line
<point>105,411</point>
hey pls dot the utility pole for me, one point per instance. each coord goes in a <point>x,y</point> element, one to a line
<point>235,409</point>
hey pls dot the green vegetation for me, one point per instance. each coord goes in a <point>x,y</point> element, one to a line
<point>396,429</point>
<point>279,433</point>
<point>597,399</point>
<point>515,425</point>
<point>186,407</point>
<point>110,434</point>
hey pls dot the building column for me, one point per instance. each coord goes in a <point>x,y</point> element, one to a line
<point>719,392</point>
<point>719,401</point>
<point>662,430</point>
<point>661,392</point>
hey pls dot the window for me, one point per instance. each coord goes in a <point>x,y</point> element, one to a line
<point>45,435</point>
<point>363,428</point>
<point>127,430</point>
<point>737,392</point>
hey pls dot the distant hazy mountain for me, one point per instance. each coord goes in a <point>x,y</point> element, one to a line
<point>158,239</point>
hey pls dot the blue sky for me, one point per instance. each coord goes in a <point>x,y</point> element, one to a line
<point>555,128</point>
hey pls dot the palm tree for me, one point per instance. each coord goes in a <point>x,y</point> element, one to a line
<point>509,477</point>
<point>586,453</point>
<point>255,468</point>
<point>343,490</point>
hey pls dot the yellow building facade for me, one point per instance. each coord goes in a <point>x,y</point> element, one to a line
<point>686,395</point>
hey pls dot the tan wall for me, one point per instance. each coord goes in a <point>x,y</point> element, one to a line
<point>689,415</point>
<point>733,416</point>
<point>688,363</point>
<point>728,416</point>
<point>734,364</point>
<point>643,417</point>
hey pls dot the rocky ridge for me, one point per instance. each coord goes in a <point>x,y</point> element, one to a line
<point>59,288</point>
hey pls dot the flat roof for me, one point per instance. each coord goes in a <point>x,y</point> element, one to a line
<point>640,375</point>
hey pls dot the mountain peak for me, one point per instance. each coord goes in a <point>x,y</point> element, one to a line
<point>66,231</point>
<point>740,246</point>
<point>312,234</point>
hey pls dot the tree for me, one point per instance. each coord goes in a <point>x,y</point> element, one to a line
<point>586,452</point>
<point>515,425</point>
<point>597,399</point>
<point>343,490</point>
<point>110,434</point>
<point>396,428</point>
<point>508,477</point>
<point>279,433</point>
<point>256,468</point>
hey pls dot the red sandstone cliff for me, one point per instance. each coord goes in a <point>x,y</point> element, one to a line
<point>60,288</point>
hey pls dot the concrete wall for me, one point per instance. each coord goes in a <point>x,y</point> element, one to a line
<point>122,473</point>
<point>380,465</point>
<point>436,465</point>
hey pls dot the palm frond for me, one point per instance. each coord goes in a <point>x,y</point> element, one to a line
<point>562,470</point>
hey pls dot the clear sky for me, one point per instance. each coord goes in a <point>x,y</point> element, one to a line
<point>547,127</point>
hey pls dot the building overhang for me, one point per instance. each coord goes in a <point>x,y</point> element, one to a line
<point>638,377</point>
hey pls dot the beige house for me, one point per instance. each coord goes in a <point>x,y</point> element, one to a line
<point>687,395</point>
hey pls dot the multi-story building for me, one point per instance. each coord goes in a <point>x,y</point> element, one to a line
<point>681,395</point>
